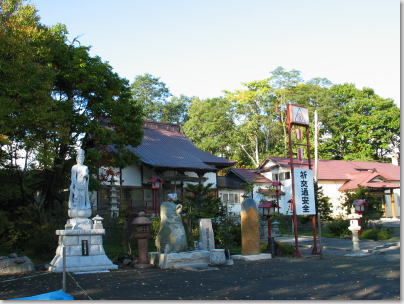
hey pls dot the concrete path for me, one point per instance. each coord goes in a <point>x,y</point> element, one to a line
<point>334,246</point>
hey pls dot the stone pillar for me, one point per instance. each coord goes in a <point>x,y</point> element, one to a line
<point>114,202</point>
<point>355,241</point>
<point>250,236</point>
<point>206,236</point>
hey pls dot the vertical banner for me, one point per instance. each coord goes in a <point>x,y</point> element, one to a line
<point>304,192</point>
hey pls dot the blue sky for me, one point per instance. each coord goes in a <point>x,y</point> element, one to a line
<point>200,48</point>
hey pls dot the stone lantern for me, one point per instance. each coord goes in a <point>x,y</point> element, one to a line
<point>355,228</point>
<point>269,209</point>
<point>141,231</point>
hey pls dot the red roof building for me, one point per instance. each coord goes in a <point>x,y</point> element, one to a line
<point>339,176</point>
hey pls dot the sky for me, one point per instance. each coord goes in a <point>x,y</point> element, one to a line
<point>200,48</point>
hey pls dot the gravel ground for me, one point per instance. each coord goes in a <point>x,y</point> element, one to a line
<point>332,277</point>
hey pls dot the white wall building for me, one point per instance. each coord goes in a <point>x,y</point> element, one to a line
<point>336,177</point>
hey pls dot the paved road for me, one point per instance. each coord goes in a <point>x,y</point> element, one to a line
<point>330,277</point>
<point>333,246</point>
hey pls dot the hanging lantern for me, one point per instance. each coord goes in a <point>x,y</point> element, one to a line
<point>298,134</point>
<point>300,154</point>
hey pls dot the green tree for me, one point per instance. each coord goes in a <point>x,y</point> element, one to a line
<point>374,209</point>
<point>66,97</point>
<point>256,122</point>
<point>360,125</point>
<point>210,125</point>
<point>199,203</point>
<point>152,94</point>
<point>323,204</point>
<point>175,110</point>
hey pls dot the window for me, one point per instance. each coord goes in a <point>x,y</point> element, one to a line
<point>282,176</point>
<point>230,198</point>
<point>275,177</point>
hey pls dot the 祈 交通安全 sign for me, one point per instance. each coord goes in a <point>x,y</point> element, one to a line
<point>304,192</point>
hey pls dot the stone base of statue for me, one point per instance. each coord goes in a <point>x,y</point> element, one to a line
<point>252,257</point>
<point>191,260</point>
<point>84,249</point>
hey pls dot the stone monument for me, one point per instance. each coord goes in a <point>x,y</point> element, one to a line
<point>172,246</point>
<point>250,235</point>
<point>82,237</point>
<point>171,232</point>
<point>206,236</point>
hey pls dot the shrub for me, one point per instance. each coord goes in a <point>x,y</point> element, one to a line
<point>338,228</point>
<point>285,249</point>
<point>227,231</point>
<point>375,234</point>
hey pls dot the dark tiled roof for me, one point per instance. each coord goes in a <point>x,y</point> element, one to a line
<point>164,146</point>
<point>250,175</point>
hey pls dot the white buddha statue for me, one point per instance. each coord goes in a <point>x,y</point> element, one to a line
<point>79,200</point>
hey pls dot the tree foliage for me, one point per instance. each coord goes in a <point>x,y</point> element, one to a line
<point>354,124</point>
<point>54,95</point>
<point>210,125</point>
<point>158,103</point>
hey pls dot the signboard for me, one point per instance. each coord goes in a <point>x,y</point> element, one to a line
<point>298,115</point>
<point>304,192</point>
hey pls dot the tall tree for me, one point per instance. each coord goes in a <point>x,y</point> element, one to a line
<point>175,110</point>
<point>54,95</point>
<point>283,82</point>
<point>255,118</point>
<point>361,125</point>
<point>210,125</point>
<point>152,95</point>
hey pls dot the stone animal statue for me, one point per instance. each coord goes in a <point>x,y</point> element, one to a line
<point>171,230</point>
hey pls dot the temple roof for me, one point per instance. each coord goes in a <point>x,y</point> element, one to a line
<point>165,146</point>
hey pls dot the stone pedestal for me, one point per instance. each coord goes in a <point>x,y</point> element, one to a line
<point>84,251</point>
<point>196,258</point>
<point>217,257</point>
<point>252,257</point>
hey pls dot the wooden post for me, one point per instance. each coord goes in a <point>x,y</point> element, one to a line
<point>393,205</point>
<point>292,169</point>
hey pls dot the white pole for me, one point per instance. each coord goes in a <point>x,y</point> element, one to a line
<point>316,176</point>
<point>315,145</point>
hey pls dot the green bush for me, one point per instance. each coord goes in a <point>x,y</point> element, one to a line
<point>338,228</point>
<point>285,249</point>
<point>227,232</point>
<point>375,234</point>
